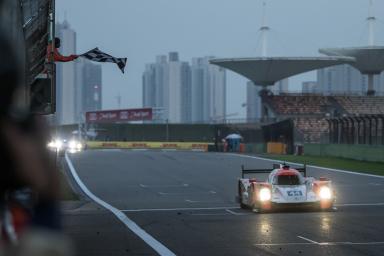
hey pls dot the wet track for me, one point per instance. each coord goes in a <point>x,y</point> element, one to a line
<point>186,201</point>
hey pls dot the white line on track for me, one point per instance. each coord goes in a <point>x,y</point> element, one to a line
<point>312,166</point>
<point>180,209</point>
<point>307,239</point>
<point>236,213</point>
<point>224,208</point>
<point>147,238</point>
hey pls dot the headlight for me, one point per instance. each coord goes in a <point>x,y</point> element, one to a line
<point>55,144</point>
<point>58,144</point>
<point>79,146</point>
<point>265,194</point>
<point>325,193</point>
<point>72,144</point>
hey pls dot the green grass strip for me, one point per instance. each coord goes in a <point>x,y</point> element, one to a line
<point>376,168</point>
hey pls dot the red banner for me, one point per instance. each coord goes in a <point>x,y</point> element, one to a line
<point>122,115</point>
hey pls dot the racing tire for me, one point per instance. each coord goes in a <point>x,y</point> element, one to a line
<point>259,210</point>
<point>242,205</point>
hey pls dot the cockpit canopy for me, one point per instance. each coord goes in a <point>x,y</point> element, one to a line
<point>288,180</point>
<point>285,177</point>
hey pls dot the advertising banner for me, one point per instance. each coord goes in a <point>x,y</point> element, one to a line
<point>195,146</point>
<point>122,115</point>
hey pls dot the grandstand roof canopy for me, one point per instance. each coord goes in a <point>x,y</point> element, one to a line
<point>369,60</point>
<point>267,71</point>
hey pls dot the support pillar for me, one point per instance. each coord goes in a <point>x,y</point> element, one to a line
<point>370,91</point>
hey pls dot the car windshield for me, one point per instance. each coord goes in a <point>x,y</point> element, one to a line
<point>288,180</point>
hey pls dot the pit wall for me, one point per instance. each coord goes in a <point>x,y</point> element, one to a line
<point>195,146</point>
<point>357,152</point>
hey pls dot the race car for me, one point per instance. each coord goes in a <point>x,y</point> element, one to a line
<point>285,187</point>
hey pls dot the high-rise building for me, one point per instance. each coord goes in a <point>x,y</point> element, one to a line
<point>166,85</point>
<point>208,101</point>
<point>182,93</point>
<point>253,104</point>
<point>88,86</point>
<point>309,87</point>
<point>66,76</point>
<point>345,79</point>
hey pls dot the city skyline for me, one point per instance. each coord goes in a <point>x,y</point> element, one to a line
<point>183,92</point>
<point>140,33</point>
<point>346,79</point>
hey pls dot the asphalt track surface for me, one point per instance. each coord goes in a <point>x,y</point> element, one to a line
<point>186,201</point>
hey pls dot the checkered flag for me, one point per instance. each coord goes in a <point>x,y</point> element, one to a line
<point>99,56</point>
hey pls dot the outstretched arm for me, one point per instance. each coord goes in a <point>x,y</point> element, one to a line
<point>60,58</point>
<point>57,57</point>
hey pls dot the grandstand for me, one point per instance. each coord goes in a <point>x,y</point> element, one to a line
<point>297,104</point>
<point>313,115</point>
<point>361,105</point>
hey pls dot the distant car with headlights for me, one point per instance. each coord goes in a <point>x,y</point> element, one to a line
<point>63,145</point>
<point>285,187</point>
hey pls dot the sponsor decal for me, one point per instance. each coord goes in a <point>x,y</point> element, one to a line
<point>112,116</point>
<point>199,146</point>
<point>139,145</point>
<point>149,145</point>
<point>170,145</point>
<point>109,145</point>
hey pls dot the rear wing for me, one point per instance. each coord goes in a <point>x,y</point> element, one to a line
<point>275,166</point>
<point>253,171</point>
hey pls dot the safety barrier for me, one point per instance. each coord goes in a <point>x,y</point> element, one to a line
<point>197,146</point>
<point>276,148</point>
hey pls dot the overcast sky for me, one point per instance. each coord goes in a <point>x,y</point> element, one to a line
<point>142,29</point>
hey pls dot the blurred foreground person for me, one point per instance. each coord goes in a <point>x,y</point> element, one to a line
<point>29,182</point>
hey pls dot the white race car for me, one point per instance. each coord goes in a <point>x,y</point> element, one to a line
<point>285,187</point>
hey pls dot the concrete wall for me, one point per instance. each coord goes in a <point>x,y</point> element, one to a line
<point>358,152</point>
